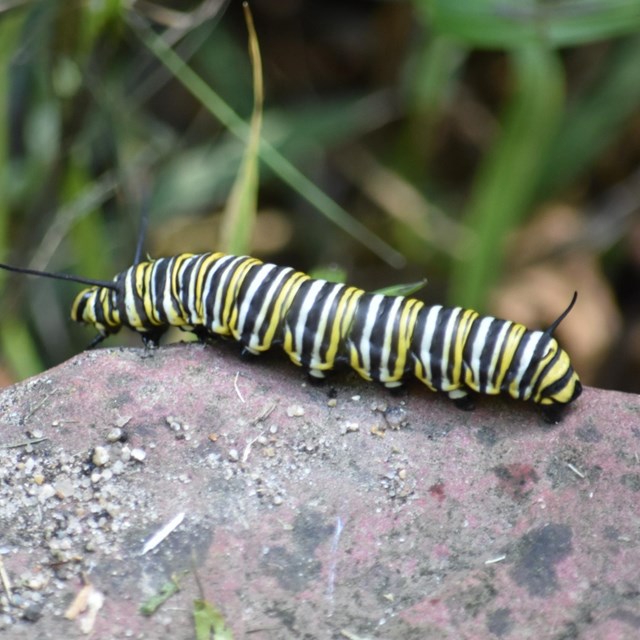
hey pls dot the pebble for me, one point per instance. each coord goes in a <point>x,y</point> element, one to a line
<point>46,491</point>
<point>29,464</point>
<point>138,454</point>
<point>35,582</point>
<point>5,621</point>
<point>295,411</point>
<point>114,435</point>
<point>64,487</point>
<point>100,456</point>
<point>349,427</point>
<point>118,467</point>
<point>233,455</point>
<point>396,417</point>
<point>32,613</point>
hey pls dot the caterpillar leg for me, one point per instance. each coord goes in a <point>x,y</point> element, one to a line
<point>396,389</point>
<point>552,413</point>
<point>96,341</point>
<point>316,377</point>
<point>151,339</point>
<point>202,333</point>
<point>248,355</point>
<point>462,400</point>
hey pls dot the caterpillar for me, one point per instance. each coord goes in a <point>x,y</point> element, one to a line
<point>321,325</point>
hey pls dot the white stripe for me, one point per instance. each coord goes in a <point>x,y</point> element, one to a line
<point>533,341</point>
<point>385,373</point>
<point>364,347</point>
<point>196,317</point>
<point>424,353</point>
<point>319,340</point>
<point>479,343</point>
<point>247,302</point>
<point>505,329</point>
<point>306,307</point>
<point>129,297</point>
<point>450,335</point>
<point>261,318</point>
<point>496,348</point>
<point>213,314</point>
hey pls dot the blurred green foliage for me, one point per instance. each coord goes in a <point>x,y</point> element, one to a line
<point>425,130</point>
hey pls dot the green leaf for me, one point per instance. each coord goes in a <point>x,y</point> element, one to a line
<point>330,273</point>
<point>150,606</point>
<point>209,623</point>
<point>407,289</point>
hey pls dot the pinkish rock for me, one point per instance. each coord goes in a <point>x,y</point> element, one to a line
<point>489,524</point>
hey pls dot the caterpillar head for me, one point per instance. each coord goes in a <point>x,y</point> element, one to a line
<point>558,383</point>
<point>96,307</point>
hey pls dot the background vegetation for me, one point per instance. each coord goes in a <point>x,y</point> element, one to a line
<point>489,145</point>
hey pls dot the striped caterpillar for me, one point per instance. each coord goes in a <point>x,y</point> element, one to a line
<point>320,324</point>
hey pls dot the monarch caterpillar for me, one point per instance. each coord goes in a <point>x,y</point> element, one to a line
<point>320,324</point>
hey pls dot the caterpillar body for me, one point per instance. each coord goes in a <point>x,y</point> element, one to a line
<point>320,325</point>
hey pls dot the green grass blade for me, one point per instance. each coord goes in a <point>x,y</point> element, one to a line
<point>275,160</point>
<point>506,181</point>
<point>17,346</point>
<point>513,23</point>
<point>594,121</point>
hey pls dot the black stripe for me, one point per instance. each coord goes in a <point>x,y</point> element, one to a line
<point>261,296</point>
<point>534,363</point>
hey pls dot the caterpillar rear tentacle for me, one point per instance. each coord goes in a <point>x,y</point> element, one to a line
<point>321,324</point>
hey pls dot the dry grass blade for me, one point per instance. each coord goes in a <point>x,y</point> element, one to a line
<point>240,212</point>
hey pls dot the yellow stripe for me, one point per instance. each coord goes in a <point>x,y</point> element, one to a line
<point>512,339</point>
<point>410,311</point>
<point>198,290</point>
<point>284,300</point>
<point>229,316</point>
<point>465,324</point>
<point>343,317</point>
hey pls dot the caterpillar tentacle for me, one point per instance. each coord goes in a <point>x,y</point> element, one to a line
<point>321,325</point>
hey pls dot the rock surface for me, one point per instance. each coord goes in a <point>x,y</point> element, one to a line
<point>300,511</point>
